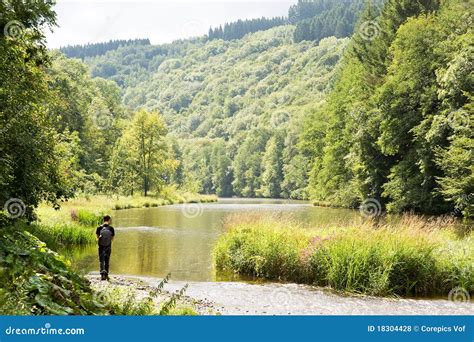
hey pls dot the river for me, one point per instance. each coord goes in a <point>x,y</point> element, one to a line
<point>178,239</point>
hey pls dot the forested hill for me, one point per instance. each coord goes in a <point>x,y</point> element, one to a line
<point>384,116</point>
<point>314,20</point>
<point>319,19</point>
<point>240,28</point>
<point>399,119</point>
<point>97,49</point>
<point>238,104</point>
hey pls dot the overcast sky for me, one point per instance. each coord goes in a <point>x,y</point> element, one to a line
<point>86,21</point>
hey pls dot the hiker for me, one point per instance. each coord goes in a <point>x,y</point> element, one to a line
<point>105,234</point>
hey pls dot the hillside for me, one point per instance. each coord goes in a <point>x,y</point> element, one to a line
<point>267,116</point>
<point>242,102</point>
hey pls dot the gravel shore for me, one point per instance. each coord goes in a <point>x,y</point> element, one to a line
<point>236,298</point>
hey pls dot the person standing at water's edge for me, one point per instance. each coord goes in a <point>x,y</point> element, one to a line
<point>105,234</point>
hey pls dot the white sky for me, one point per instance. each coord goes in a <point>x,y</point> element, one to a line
<point>162,21</point>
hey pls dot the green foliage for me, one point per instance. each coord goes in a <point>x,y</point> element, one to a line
<point>87,218</point>
<point>27,141</point>
<point>272,175</point>
<point>63,235</point>
<point>410,258</point>
<point>35,280</point>
<point>88,118</point>
<point>224,100</point>
<point>123,301</point>
<point>399,116</point>
<point>142,155</point>
<point>168,307</point>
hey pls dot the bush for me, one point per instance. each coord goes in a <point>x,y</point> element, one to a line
<point>125,301</point>
<point>120,301</point>
<point>35,280</point>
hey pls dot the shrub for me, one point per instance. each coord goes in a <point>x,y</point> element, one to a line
<point>122,301</point>
<point>35,280</point>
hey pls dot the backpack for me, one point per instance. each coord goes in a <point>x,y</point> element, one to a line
<point>105,238</point>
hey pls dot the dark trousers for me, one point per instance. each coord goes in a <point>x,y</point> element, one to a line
<point>104,258</point>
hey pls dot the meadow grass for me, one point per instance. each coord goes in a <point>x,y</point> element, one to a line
<point>410,256</point>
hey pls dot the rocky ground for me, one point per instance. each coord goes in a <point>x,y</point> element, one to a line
<point>143,288</point>
<point>236,298</point>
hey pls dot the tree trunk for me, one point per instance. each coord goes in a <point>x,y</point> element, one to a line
<point>145,186</point>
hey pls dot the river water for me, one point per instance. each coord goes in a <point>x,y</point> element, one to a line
<point>178,239</point>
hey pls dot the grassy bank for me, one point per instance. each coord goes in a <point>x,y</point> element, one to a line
<point>409,257</point>
<point>75,222</point>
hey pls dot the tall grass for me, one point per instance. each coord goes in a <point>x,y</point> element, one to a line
<point>63,235</point>
<point>409,257</point>
<point>87,218</point>
<point>67,228</point>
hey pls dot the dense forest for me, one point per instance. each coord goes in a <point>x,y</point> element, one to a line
<point>60,126</point>
<point>240,28</point>
<point>234,106</point>
<point>314,20</point>
<point>398,121</point>
<point>319,19</point>
<point>275,116</point>
<point>97,49</point>
<point>384,115</point>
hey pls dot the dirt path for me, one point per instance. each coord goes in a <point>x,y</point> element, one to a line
<point>235,298</point>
